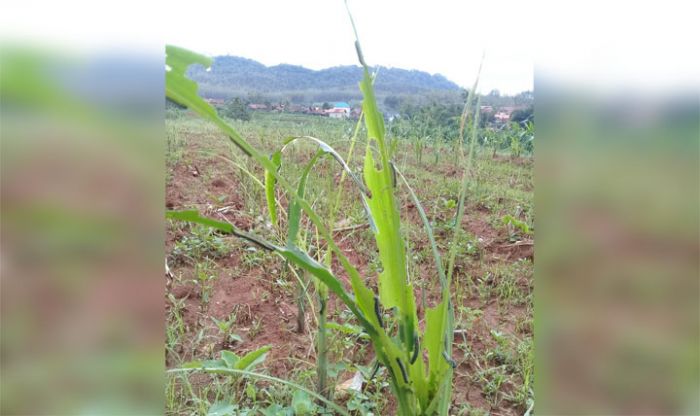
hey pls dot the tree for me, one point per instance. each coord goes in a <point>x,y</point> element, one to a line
<point>236,109</point>
<point>523,115</point>
<point>487,118</point>
<point>525,97</point>
<point>392,102</point>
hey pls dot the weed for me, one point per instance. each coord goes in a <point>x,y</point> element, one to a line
<point>500,354</point>
<point>469,410</point>
<point>225,329</point>
<point>204,277</point>
<point>255,328</point>
<point>175,328</point>
<point>516,228</point>
<point>201,243</point>
<point>492,380</point>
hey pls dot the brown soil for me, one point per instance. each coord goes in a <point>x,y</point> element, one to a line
<point>266,315</point>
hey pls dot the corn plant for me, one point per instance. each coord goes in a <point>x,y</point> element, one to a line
<point>527,136</point>
<point>418,146</point>
<point>420,387</point>
<point>515,145</point>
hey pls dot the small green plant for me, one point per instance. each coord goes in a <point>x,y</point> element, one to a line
<point>493,379</point>
<point>436,152</point>
<point>204,280</point>
<point>515,145</point>
<point>202,242</point>
<point>175,328</point>
<point>418,146</point>
<point>524,365</point>
<point>362,403</point>
<point>225,326</point>
<point>527,136</point>
<point>175,145</point>
<point>231,361</point>
<point>500,354</point>
<point>516,228</point>
<point>467,317</point>
<point>253,257</point>
<point>255,328</point>
<point>302,404</point>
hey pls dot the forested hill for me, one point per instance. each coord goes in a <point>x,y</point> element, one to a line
<point>232,76</point>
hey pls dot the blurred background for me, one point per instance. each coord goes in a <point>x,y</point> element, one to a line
<point>82,232</point>
<point>616,304</point>
<point>617,186</point>
<point>617,206</point>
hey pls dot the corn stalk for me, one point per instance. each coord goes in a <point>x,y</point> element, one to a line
<point>420,387</point>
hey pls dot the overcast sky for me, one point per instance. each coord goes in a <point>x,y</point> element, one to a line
<point>446,37</point>
<point>616,44</point>
<point>436,36</point>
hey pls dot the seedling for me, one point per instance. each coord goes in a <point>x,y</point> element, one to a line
<point>225,326</point>
<point>515,227</point>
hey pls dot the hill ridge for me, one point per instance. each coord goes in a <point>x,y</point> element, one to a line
<point>232,76</point>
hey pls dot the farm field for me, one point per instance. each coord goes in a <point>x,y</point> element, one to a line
<point>226,294</point>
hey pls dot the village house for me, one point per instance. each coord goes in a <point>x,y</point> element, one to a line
<point>257,106</point>
<point>502,116</point>
<point>339,110</point>
<point>337,113</point>
<point>504,113</point>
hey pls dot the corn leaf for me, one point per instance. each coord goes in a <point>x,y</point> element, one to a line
<point>294,207</point>
<point>307,263</point>
<point>270,187</point>
<point>441,399</point>
<point>184,91</point>
<point>363,309</point>
<point>252,359</point>
<point>382,205</point>
<point>193,216</point>
<point>325,147</point>
<point>435,342</point>
<point>230,358</point>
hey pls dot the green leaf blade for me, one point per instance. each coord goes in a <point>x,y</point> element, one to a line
<point>270,187</point>
<point>253,358</point>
